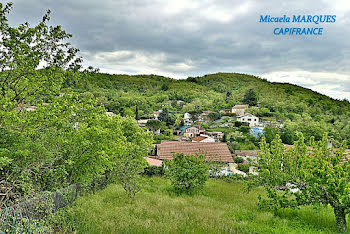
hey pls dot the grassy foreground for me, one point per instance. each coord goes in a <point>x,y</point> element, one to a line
<point>222,208</point>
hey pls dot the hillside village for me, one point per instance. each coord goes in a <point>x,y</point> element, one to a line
<point>88,152</point>
<point>203,132</point>
<point>197,134</point>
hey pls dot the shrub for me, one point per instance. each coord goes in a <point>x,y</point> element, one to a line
<point>238,159</point>
<point>154,171</point>
<point>187,173</point>
<point>243,167</point>
<point>215,168</point>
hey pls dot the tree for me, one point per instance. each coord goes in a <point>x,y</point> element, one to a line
<point>250,98</point>
<point>269,134</point>
<point>137,117</point>
<point>154,124</point>
<point>128,168</point>
<point>24,50</point>
<point>195,114</point>
<point>68,140</point>
<point>214,116</point>
<point>167,117</point>
<point>305,176</point>
<point>187,173</point>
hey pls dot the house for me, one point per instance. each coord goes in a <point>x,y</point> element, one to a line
<point>239,110</point>
<point>216,135</point>
<point>194,131</point>
<point>226,111</point>
<point>247,154</point>
<point>157,113</point>
<point>203,138</point>
<point>214,151</point>
<point>180,130</point>
<point>110,114</point>
<point>188,119</point>
<point>204,115</point>
<point>142,122</point>
<point>250,119</point>
<point>180,102</point>
<point>30,108</point>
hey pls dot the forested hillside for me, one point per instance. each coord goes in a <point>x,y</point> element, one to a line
<point>300,109</point>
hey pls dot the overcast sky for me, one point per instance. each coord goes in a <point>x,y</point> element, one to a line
<point>180,38</point>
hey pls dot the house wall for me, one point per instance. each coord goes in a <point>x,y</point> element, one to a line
<point>251,120</point>
<point>238,112</point>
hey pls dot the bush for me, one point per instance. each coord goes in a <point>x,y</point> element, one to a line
<point>187,173</point>
<point>154,171</point>
<point>238,159</point>
<point>243,167</point>
<point>215,168</point>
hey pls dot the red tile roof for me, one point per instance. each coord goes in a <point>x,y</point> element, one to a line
<point>199,138</point>
<point>214,151</point>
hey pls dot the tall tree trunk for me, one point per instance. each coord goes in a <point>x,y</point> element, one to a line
<point>340,219</point>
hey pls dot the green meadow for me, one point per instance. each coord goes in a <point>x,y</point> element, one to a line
<point>222,208</point>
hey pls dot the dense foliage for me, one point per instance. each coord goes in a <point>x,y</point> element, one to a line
<point>187,173</point>
<point>305,176</point>
<point>50,139</point>
<point>298,108</point>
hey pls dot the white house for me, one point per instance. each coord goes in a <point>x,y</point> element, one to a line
<point>157,113</point>
<point>216,135</point>
<point>250,119</point>
<point>188,119</point>
<point>110,114</point>
<point>142,122</point>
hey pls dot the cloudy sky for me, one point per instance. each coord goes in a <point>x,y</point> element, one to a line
<point>191,38</point>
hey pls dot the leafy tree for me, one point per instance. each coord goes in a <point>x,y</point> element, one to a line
<point>238,159</point>
<point>129,165</point>
<point>165,87</point>
<point>154,124</point>
<point>243,167</point>
<point>154,171</point>
<point>305,176</point>
<point>24,50</point>
<point>250,98</point>
<point>167,117</point>
<point>195,114</point>
<point>244,129</point>
<point>137,117</point>
<point>269,134</point>
<point>187,173</point>
<point>214,116</point>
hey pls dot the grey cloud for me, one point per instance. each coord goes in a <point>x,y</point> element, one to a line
<point>198,37</point>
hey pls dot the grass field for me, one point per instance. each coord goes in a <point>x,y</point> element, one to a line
<point>222,208</point>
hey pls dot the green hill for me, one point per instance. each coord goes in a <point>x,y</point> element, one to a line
<point>299,108</point>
